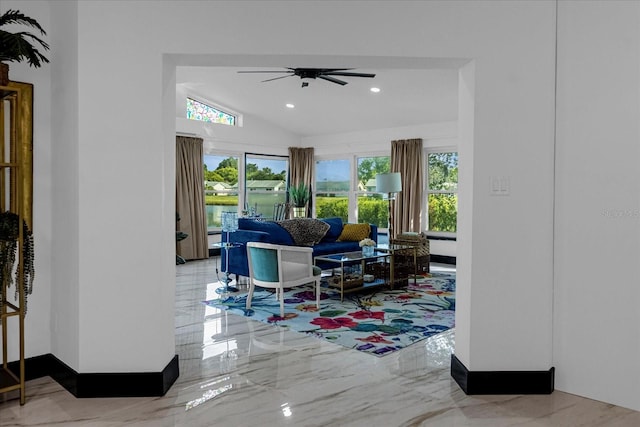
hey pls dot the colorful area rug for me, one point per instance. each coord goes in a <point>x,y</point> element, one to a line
<point>375,322</point>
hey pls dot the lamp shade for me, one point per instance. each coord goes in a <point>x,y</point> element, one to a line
<point>388,182</point>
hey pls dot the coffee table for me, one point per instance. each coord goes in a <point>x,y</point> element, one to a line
<point>352,267</point>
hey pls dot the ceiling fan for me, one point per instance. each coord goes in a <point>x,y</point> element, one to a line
<point>315,73</point>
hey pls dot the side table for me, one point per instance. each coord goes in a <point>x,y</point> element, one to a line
<point>392,249</point>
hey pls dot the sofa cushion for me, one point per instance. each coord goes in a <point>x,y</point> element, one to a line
<point>335,228</point>
<point>354,232</point>
<point>278,235</point>
<point>334,248</point>
<point>305,231</point>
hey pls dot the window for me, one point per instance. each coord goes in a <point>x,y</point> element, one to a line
<point>206,113</point>
<point>265,183</point>
<point>442,191</point>
<point>220,187</point>
<point>371,208</point>
<point>333,183</point>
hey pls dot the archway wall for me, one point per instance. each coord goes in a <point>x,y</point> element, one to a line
<point>125,149</point>
<point>512,46</point>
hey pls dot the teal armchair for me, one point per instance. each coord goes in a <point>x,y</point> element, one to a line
<point>281,266</point>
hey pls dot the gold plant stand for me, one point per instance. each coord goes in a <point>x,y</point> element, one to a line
<point>16,183</point>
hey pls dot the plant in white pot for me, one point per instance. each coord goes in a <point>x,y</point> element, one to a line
<point>300,195</point>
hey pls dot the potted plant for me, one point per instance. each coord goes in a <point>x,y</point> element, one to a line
<point>19,46</point>
<point>9,259</point>
<point>300,195</point>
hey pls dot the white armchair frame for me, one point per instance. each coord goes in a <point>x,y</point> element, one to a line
<point>279,267</point>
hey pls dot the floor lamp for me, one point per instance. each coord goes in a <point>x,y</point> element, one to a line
<point>229,225</point>
<point>390,184</point>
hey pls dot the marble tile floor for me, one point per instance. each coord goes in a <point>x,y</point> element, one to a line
<point>237,372</point>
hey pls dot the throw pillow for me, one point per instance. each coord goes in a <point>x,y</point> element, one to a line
<point>354,232</point>
<point>305,231</point>
<point>335,228</point>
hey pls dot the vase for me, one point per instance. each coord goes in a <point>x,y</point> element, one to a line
<point>300,212</point>
<point>368,250</point>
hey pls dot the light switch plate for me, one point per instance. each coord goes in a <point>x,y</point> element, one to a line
<point>500,185</point>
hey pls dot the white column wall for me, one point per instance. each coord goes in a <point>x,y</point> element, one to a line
<point>513,136</point>
<point>127,209</point>
<point>466,120</point>
<point>65,206</point>
<point>597,322</point>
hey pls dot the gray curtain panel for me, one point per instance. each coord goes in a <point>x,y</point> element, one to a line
<point>406,158</point>
<point>190,198</point>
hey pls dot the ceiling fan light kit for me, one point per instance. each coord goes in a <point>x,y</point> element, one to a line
<point>327,74</point>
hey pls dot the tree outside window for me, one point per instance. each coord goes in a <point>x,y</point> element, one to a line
<point>372,208</point>
<point>334,187</point>
<point>442,191</point>
<point>333,183</point>
<point>220,187</point>
<point>265,183</point>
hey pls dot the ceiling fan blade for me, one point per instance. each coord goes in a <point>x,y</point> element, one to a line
<point>276,78</point>
<point>332,73</point>
<point>267,71</point>
<point>330,70</point>
<point>331,79</point>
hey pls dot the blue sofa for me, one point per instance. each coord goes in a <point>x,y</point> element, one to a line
<point>250,230</point>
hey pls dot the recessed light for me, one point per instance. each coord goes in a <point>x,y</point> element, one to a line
<point>375,89</point>
<point>290,106</point>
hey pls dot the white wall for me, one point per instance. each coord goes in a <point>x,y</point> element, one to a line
<point>433,135</point>
<point>505,262</point>
<point>513,116</point>
<point>597,244</point>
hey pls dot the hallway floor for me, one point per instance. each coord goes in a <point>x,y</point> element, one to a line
<point>237,372</point>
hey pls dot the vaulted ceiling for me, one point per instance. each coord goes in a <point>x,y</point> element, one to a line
<point>407,97</point>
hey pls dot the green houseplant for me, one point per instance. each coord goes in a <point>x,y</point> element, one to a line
<point>19,46</point>
<point>300,195</point>
<point>9,236</point>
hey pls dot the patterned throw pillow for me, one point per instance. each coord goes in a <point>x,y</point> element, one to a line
<point>354,232</point>
<point>305,231</point>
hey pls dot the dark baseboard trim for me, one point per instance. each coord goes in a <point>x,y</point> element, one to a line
<point>433,237</point>
<point>444,259</point>
<point>502,382</point>
<point>126,384</point>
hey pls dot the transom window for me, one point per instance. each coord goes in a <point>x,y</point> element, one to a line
<point>197,110</point>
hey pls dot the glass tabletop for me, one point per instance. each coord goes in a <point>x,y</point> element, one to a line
<point>350,256</point>
<point>392,247</point>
